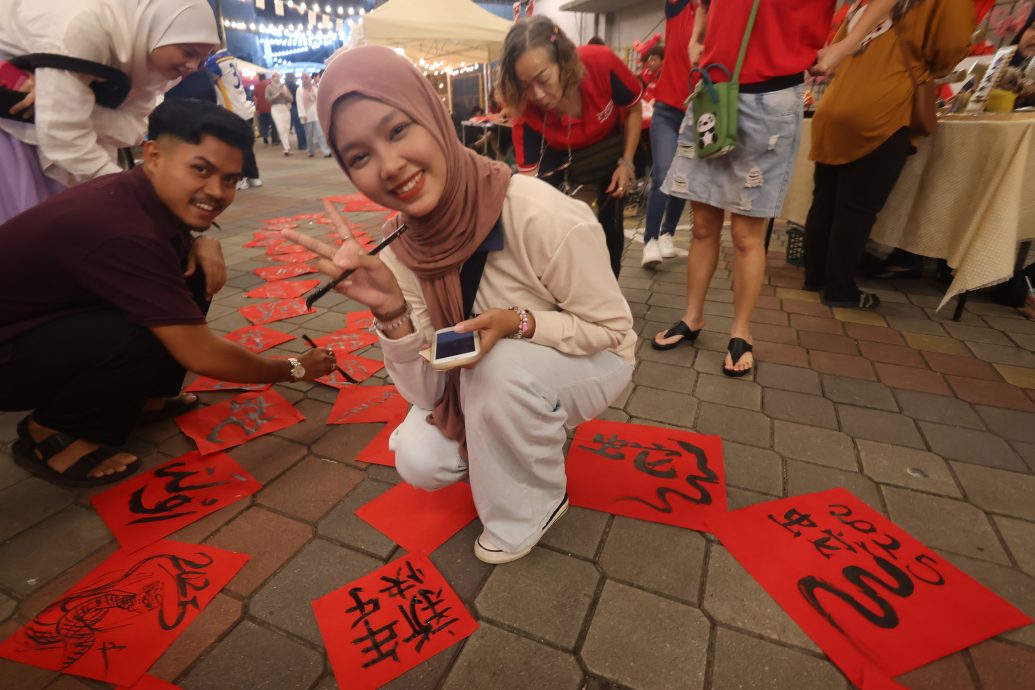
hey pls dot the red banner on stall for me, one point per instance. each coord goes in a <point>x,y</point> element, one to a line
<point>147,507</point>
<point>383,624</point>
<point>377,451</point>
<point>876,601</point>
<point>362,404</point>
<point>125,613</point>
<point>417,520</point>
<point>359,368</point>
<point>268,312</point>
<point>240,419</point>
<point>284,271</point>
<point>647,472</point>
<point>283,289</point>
<point>257,338</point>
<point>346,340</point>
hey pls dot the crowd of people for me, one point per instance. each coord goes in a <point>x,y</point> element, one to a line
<point>518,257</point>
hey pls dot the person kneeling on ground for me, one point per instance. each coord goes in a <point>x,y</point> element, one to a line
<point>103,299</point>
<point>557,337</point>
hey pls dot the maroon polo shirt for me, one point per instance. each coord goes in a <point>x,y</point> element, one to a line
<point>107,243</point>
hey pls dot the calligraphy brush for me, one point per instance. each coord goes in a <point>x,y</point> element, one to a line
<point>346,273</point>
<point>336,367</point>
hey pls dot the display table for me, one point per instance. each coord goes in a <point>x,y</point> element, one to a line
<point>967,196</point>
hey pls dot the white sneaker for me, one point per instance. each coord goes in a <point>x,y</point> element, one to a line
<point>651,254</point>
<point>243,184</point>
<point>486,551</point>
<point>255,182</point>
<point>668,248</point>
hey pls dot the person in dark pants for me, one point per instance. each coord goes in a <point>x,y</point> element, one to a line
<point>267,130</point>
<point>296,121</point>
<point>103,299</point>
<point>861,137</point>
<point>573,102</point>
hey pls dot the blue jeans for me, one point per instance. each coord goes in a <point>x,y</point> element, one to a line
<point>664,128</point>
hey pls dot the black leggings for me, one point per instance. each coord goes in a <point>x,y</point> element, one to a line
<point>845,202</point>
<point>610,210</point>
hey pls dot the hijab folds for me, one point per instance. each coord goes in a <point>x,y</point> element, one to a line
<point>435,246</point>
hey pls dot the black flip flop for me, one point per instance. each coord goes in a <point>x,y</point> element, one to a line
<point>738,347</point>
<point>32,457</point>
<point>678,328</point>
<point>173,407</point>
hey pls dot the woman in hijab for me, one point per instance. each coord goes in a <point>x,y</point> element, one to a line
<point>556,333</point>
<point>74,138</point>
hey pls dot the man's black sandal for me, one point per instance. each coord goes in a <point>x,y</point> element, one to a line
<point>738,347</point>
<point>682,330</point>
<point>172,407</point>
<point>32,457</point>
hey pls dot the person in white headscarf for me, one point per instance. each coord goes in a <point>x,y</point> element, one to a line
<point>74,139</point>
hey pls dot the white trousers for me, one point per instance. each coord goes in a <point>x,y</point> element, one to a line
<point>282,121</point>
<point>517,402</point>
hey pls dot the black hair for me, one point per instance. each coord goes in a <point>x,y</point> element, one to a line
<point>657,50</point>
<point>189,119</point>
<point>596,41</point>
<point>528,34</point>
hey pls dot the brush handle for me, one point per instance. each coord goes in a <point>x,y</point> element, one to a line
<point>346,273</point>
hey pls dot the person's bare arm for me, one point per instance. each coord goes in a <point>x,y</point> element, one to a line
<point>828,59</point>
<point>696,46</point>
<point>198,349</point>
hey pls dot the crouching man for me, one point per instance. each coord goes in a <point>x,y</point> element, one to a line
<point>103,295</point>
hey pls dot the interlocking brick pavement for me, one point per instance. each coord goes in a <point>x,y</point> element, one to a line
<point>917,415</point>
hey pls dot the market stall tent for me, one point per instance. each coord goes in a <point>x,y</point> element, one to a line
<point>451,32</point>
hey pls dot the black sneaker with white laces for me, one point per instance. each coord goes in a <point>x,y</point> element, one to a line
<point>486,551</point>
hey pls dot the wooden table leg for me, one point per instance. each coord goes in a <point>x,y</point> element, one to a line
<point>961,302</point>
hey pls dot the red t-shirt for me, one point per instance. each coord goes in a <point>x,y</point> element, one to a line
<point>673,87</point>
<point>607,86</point>
<point>262,104</point>
<point>784,42</point>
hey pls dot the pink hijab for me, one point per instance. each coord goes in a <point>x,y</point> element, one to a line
<point>436,245</point>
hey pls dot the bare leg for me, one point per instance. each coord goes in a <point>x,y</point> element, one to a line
<point>748,272</point>
<point>700,264</point>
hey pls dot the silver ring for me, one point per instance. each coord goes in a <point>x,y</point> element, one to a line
<point>330,351</point>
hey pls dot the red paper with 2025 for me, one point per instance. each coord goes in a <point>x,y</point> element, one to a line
<point>125,613</point>
<point>876,600</point>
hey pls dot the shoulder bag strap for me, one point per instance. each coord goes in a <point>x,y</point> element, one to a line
<point>744,42</point>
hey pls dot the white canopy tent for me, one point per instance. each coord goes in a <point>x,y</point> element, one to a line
<point>451,32</point>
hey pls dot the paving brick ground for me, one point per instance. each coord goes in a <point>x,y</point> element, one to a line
<point>928,421</point>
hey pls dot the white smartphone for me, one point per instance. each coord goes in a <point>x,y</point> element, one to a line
<point>451,349</point>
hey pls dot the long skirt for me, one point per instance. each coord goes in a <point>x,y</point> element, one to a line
<point>23,184</point>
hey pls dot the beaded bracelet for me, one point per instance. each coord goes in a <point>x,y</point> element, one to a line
<point>397,320</point>
<point>522,331</point>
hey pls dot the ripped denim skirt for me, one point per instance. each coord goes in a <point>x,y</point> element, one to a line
<point>752,179</point>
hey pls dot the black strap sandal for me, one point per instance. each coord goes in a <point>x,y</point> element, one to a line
<point>738,347</point>
<point>678,328</point>
<point>173,407</point>
<point>32,457</point>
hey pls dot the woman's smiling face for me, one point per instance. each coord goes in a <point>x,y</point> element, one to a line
<point>391,159</point>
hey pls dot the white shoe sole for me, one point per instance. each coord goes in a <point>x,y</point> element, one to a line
<point>499,556</point>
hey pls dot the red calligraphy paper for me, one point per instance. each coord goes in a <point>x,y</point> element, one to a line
<point>346,340</point>
<point>284,271</point>
<point>285,247</point>
<point>359,320</point>
<point>377,451</point>
<point>359,368</point>
<point>647,472</point>
<point>125,613</point>
<point>876,601</point>
<point>282,220</point>
<point>383,624</point>
<point>297,258</point>
<point>258,338</point>
<point>361,404</point>
<point>353,203</point>
<point>149,682</point>
<point>285,289</point>
<point>151,506</point>
<point>237,420</point>
<point>204,384</point>
<point>268,312</point>
<point>417,520</point>
<point>265,238</point>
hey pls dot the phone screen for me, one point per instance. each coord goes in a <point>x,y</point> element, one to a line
<point>451,344</point>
